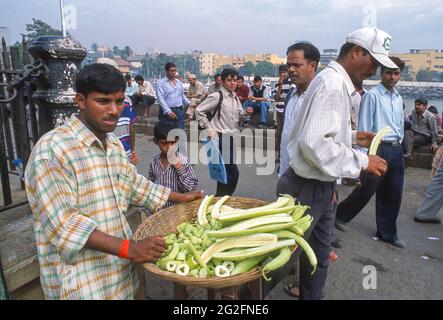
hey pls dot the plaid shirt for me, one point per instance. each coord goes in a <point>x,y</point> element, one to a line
<point>74,187</point>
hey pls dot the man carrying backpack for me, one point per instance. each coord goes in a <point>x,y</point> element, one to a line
<point>220,114</point>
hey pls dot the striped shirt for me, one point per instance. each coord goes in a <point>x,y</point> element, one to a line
<point>280,105</point>
<point>182,181</point>
<point>74,187</point>
<point>321,142</point>
<point>291,113</point>
<point>123,129</point>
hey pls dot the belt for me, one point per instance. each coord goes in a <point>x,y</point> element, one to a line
<point>394,143</point>
<point>179,107</point>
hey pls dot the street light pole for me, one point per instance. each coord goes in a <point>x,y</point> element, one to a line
<point>62,14</point>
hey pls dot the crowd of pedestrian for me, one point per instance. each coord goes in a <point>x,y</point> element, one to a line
<point>81,179</point>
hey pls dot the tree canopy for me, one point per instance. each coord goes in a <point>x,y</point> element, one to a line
<point>40,28</point>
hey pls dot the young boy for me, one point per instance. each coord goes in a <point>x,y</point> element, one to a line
<point>170,168</point>
<point>259,100</point>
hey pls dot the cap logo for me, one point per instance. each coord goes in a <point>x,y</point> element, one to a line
<point>387,44</point>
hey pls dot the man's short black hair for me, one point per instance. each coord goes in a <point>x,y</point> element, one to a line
<point>139,78</point>
<point>162,129</point>
<point>217,75</point>
<point>433,110</point>
<point>241,78</point>
<point>347,48</point>
<point>128,77</point>
<point>258,78</point>
<point>421,100</point>
<point>310,51</point>
<point>101,78</point>
<point>400,64</point>
<point>228,72</point>
<point>170,65</point>
<point>283,68</point>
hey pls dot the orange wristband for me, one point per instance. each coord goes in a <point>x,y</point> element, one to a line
<point>124,249</point>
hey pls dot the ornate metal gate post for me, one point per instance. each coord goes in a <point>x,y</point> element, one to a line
<point>55,91</point>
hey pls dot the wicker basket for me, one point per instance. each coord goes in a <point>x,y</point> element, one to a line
<point>165,221</point>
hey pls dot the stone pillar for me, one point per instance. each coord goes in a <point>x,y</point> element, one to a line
<point>55,90</point>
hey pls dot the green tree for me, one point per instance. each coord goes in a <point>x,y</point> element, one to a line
<point>40,28</point>
<point>154,66</point>
<point>225,66</point>
<point>265,69</point>
<point>247,70</point>
<point>126,52</point>
<point>116,50</point>
<point>424,75</point>
<point>94,47</point>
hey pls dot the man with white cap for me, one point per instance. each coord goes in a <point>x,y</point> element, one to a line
<point>320,149</point>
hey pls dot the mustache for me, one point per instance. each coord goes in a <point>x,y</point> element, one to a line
<point>111,119</point>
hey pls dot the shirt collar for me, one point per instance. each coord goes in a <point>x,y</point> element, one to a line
<point>85,136</point>
<point>226,93</point>
<point>339,69</point>
<point>384,90</point>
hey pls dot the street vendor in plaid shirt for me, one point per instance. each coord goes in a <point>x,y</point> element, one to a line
<point>80,184</point>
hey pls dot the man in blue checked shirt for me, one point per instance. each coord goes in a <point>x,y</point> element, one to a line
<point>381,107</point>
<point>171,97</point>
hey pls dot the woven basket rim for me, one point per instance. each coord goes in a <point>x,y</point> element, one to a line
<point>173,213</point>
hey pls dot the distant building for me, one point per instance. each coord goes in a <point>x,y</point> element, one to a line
<point>422,59</point>
<point>210,62</point>
<point>136,60</point>
<point>328,56</point>
<point>271,58</point>
<point>123,65</point>
<point>207,63</point>
<point>4,33</point>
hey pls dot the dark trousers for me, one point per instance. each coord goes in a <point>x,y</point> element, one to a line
<point>413,141</point>
<point>319,196</point>
<point>231,168</point>
<point>280,123</point>
<point>146,100</point>
<point>179,112</point>
<point>388,190</point>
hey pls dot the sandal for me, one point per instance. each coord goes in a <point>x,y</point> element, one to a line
<point>289,290</point>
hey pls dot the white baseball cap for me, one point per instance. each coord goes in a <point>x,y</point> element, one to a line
<point>377,42</point>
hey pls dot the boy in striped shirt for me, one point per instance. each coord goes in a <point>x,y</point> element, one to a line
<point>170,168</point>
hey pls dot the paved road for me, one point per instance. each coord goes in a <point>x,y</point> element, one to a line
<point>401,274</point>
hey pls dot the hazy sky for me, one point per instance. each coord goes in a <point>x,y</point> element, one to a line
<point>232,26</point>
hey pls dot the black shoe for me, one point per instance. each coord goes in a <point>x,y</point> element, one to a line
<point>341,225</point>
<point>261,126</point>
<point>336,244</point>
<point>398,243</point>
<point>426,220</point>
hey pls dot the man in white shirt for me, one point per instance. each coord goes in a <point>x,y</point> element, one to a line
<point>145,94</point>
<point>302,60</point>
<point>320,149</point>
